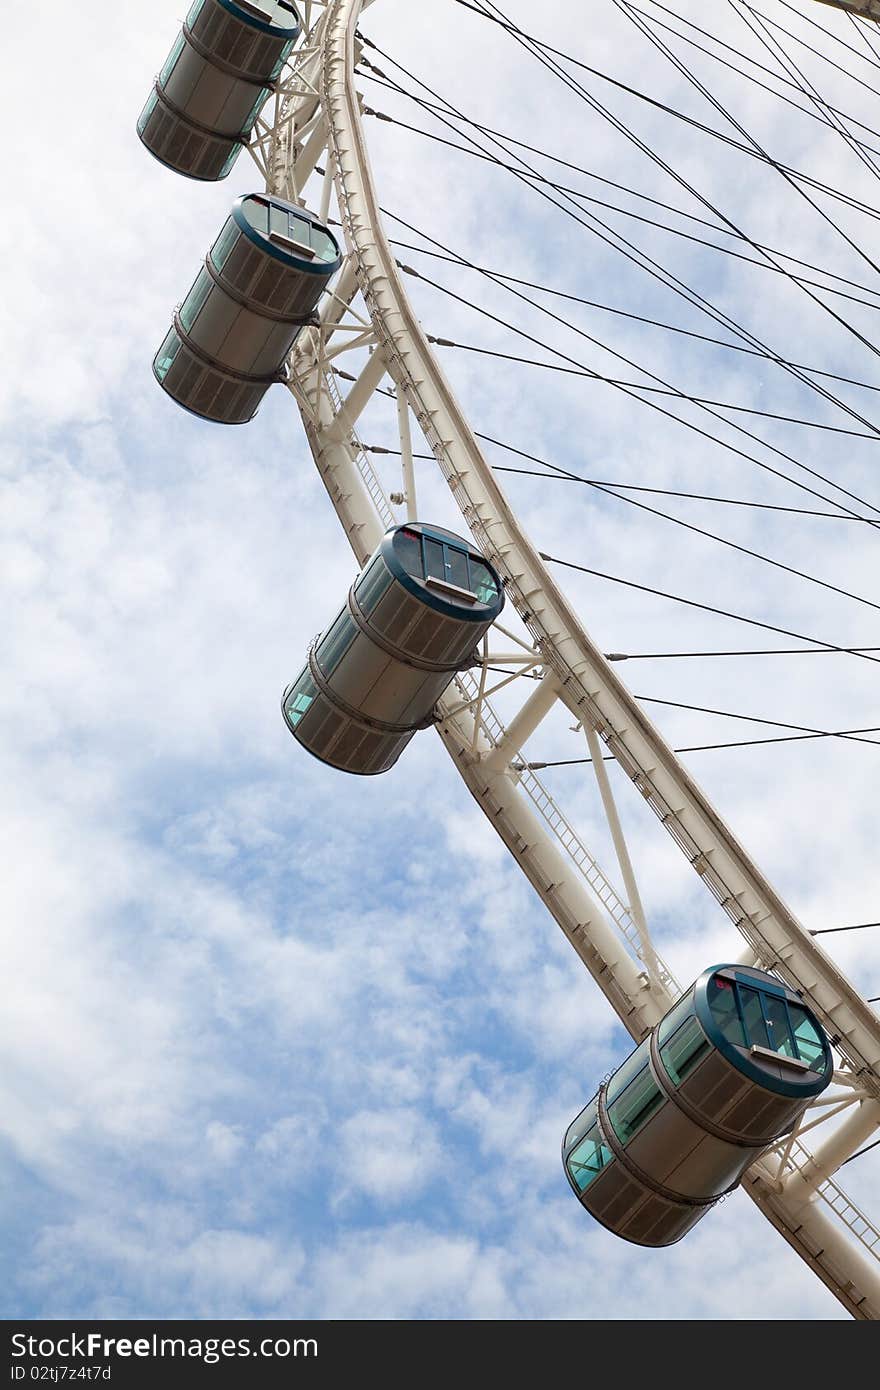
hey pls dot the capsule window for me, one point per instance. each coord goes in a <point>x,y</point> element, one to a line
<point>279,222</point>
<point>676,1016</point>
<point>684,1050</point>
<point>257,212</point>
<point>224,244</point>
<point>809,1044</point>
<point>336,642</point>
<point>300,698</point>
<point>635,1106</point>
<point>287,227</point>
<point>457,568</point>
<point>282,59</point>
<point>373,584</point>
<point>580,1124</point>
<point>447,563</point>
<point>194,12</point>
<point>434,564</point>
<point>168,65</point>
<point>408,548</point>
<point>778,1026</point>
<point>323,244</point>
<point>482,582</point>
<point>589,1158</point>
<point>230,160</point>
<point>190,307</point>
<point>256,109</point>
<point>427,557</point>
<point>722,1001</point>
<point>753,1018</point>
<point>147,111</point>
<point>166,354</point>
<point>626,1071</point>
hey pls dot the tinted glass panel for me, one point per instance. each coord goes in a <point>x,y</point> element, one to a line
<point>224,243</point>
<point>777,1025</point>
<point>457,568</point>
<point>230,160</point>
<point>257,212</point>
<point>580,1124</point>
<point>373,583</point>
<point>256,109</point>
<point>588,1159</point>
<point>278,221</point>
<point>482,583</point>
<point>194,12</point>
<point>625,1073</point>
<point>336,642</point>
<point>684,1050</point>
<point>195,299</point>
<point>299,699</point>
<point>809,1044</point>
<point>635,1106</point>
<point>282,58</point>
<point>323,245</point>
<point>756,1032</point>
<point>168,65</point>
<point>722,1002</point>
<point>166,355</point>
<point>408,549</point>
<point>676,1016</point>
<point>434,559</point>
<point>147,111</point>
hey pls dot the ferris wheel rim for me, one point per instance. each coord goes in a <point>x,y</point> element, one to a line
<point>377,267</point>
<point>399,336</point>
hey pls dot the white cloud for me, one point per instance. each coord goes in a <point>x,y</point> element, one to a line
<point>276,1040</point>
<point>390,1155</point>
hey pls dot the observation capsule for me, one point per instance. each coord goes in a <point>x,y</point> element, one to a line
<point>414,617</point>
<point>214,83</point>
<point>729,1070</point>
<point>260,283</point>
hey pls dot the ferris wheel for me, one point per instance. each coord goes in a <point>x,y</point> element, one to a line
<point>284,297</point>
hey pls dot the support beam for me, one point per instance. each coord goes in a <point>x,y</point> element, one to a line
<point>634,901</point>
<point>523,724</point>
<point>406,455</point>
<point>308,156</point>
<point>849,1136</point>
<point>357,397</point>
<point>554,877</point>
<point>327,188</point>
<point>824,1243</point>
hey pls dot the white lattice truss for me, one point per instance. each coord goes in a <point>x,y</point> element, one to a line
<point>317,120</point>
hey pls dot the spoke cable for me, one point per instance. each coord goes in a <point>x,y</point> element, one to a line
<point>652,405</point>
<point>580,194</point>
<point>634,254</point>
<point>707,608</point>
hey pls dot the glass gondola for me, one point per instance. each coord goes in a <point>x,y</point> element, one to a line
<point>260,283</point>
<point>727,1072</point>
<point>414,616</point>
<point>214,82</point>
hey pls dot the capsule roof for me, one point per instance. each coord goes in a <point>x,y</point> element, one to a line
<point>273,16</point>
<point>443,571</point>
<point>288,232</point>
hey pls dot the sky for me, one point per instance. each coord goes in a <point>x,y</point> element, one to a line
<point>279,1042</point>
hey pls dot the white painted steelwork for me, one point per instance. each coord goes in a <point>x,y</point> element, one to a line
<point>795,1190</point>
